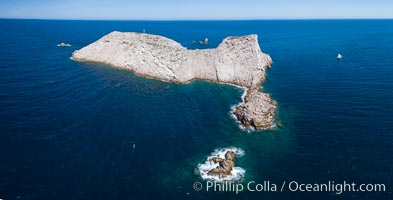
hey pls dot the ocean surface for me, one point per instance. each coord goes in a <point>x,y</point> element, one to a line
<point>71,130</point>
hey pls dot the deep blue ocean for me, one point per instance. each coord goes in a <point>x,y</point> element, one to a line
<point>71,130</point>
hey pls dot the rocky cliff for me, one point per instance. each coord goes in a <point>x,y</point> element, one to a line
<point>237,60</point>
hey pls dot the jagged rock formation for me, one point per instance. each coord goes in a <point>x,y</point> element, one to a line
<point>63,45</point>
<point>225,165</point>
<point>221,166</point>
<point>237,60</point>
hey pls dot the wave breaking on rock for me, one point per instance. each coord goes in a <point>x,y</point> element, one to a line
<point>237,60</point>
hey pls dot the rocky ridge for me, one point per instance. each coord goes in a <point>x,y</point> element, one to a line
<point>237,60</point>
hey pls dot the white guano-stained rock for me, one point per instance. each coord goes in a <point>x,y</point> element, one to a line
<point>237,60</point>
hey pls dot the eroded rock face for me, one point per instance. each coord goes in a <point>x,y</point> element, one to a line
<point>237,60</point>
<point>225,165</point>
<point>220,165</point>
<point>257,110</point>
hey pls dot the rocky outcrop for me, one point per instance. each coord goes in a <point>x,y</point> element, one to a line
<point>257,110</point>
<point>225,165</point>
<point>63,45</point>
<point>237,60</point>
<point>220,166</point>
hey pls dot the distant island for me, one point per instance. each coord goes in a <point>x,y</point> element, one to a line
<point>237,60</point>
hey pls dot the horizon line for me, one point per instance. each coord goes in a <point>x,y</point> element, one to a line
<point>218,19</point>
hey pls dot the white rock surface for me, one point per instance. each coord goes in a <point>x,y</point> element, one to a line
<point>237,60</point>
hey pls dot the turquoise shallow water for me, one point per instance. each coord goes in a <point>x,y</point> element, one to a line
<point>67,129</point>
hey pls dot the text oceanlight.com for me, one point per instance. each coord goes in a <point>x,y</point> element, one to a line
<point>291,186</point>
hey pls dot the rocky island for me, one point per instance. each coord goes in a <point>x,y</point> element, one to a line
<point>220,166</point>
<point>237,60</point>
<point>225,166</point>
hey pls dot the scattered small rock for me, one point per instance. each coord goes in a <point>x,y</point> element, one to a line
<point>63,45</point>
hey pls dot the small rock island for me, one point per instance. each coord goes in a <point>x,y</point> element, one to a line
<point>237,60</point>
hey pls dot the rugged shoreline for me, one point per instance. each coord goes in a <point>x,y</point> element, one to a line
<point>237,61</point>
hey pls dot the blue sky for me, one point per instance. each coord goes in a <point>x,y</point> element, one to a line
<point>191,9</point>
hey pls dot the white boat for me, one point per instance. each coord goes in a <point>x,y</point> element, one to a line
<point>339,56</point>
